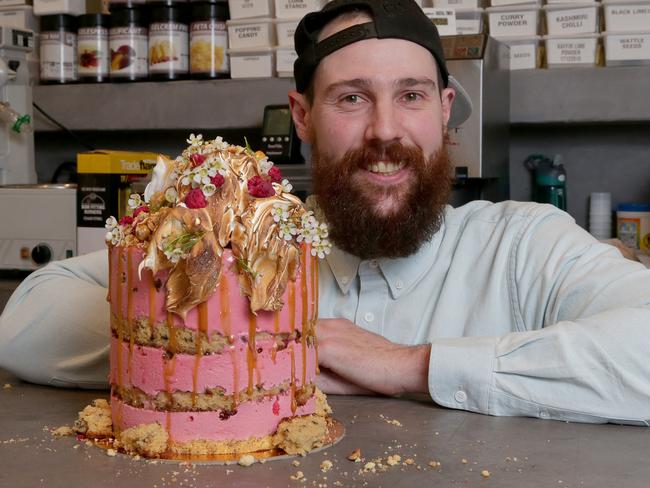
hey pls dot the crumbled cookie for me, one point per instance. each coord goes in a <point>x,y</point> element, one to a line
<point>148,440</point>
<point>95,420</point>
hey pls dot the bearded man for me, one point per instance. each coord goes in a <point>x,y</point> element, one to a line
<point>503,309</point>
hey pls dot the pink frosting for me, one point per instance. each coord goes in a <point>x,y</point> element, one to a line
<point>232,318</point>
<point>147,368</point>
<point>253,419</point>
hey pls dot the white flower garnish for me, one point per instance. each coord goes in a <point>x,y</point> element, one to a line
<point>195,140</point>
<point>321,248</point>
<point>209,189</point>
<point>111,223</point>
<point>265,165</point>
<point>115,236</point>
<point>134,201</point>
<point>171,194</point>
<point>286,186</point>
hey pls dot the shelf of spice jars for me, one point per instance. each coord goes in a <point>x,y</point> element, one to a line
<point>205,104</point>
<point>569,95</point>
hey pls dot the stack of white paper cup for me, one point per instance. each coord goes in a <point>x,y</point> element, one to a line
<point>600,215</point>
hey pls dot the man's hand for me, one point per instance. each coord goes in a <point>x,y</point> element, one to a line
<point>370,361</point>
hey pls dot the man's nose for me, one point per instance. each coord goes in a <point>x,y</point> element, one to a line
<point>384,124</point>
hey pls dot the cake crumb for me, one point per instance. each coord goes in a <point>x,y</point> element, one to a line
<point>464,461</point>
<point>295,462</point>
<point>299,435</point>
<point>409,461</point>
<point>369,466</point>
<point>298,476</point>
<point>111,452</point>
<point>485,473</point>
<point>326,465</point>
<point>95,420</point>
<point>355,455</point>
<point>393,460</point>
<point>7,386</point>
<point>246,460</point>
<point>62,431</point>
<point>434,464</point>
<point>148,440</point>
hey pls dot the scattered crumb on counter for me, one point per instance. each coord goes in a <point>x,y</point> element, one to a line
<point>7,386</point>
<point>326,465</point>
<point>485,473</point>
<point>246,460</point>
<point>355,455</point>
<point>62,431</point>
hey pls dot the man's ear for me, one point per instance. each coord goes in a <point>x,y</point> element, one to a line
<point>447,99</point>
<point>300,113</point>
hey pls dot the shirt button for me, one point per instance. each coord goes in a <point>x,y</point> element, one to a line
<point>369,316</point>
<point>460,396</point>
<point>345,280</point>
<point>399,284</point>
<point>374,263</point>
<point>544,414</point>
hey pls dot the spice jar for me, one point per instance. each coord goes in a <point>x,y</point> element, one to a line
<point>92,39</point>
<point>58,49</point>
<point>127,39</point>
<point>209,40</point>
<point>168,41</point>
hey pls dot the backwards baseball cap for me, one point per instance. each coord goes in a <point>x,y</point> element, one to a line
<point>396,19</point>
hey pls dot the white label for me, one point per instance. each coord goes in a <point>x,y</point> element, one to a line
<point>284,60</point>
<point>93,51</point>
<point>128,52</point>
<point>292,9</point>
<point>522,23</point>
<point>455,3</point>
<point>628,47</point>
<point>444,20</point>
<point>627,18</point>
<point>254,34</point>
<point>241,9</point>
<point>466,27</point>
<point>58,54</point>
<point>523,56</point>
<point>286,31</point>
<point>168,48</point>
<point>208,45</point>
<point>571,21</point>
<point>571,51</point>
<point>251,66</point>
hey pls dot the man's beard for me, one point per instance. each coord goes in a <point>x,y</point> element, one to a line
<point>357,225</point>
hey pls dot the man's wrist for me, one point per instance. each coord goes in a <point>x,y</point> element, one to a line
<point>413,364</point>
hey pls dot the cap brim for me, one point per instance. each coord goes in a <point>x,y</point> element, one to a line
<point>461,108</point>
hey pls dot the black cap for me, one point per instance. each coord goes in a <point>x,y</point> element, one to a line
<point>400,19</point>
<point>392,19</point>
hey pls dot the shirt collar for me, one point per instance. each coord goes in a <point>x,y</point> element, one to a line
<point>401,274</point>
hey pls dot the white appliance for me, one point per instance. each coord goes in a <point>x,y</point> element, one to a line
<point>39,225</point>
<point>37,222</point>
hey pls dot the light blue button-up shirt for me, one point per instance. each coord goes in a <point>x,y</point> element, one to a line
<point>527,314</point>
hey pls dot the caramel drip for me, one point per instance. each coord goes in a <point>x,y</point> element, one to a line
<point>152,303</point>
<point>225,308</point>
<point>200,333</point>
<point>305,314</point>
<point>169,368</point>
<point>235,372</point>
<point>130,282</point>
<point>314,291</point>
<point>251,352</point>
<point>292,305</point>
<point>120,335</point>
<point>294,405</point>
<point>172,345</point>
<point>111,250</point>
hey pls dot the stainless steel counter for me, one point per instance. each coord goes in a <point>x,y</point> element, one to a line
<point>518,452</point>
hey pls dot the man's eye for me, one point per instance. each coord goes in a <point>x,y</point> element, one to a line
<point>352,99</point>
<point>412,97</point>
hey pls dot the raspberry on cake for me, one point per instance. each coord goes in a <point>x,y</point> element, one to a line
<point>213,294</point>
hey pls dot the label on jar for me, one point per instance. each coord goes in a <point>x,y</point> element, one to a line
<point>128,47</point>
<point>58,53</point>
<point>93,51</point>
<point>208,45</point>
<point>168,48</point>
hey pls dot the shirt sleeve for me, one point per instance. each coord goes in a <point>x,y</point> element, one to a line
<point>55,327</point>
<point>581,349</point>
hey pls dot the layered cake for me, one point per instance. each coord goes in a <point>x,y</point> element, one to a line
<point>213,295</point>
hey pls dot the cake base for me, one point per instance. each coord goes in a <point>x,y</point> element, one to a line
<point>335,432</point>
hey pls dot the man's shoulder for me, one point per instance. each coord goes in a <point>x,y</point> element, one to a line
<point>508,211</point>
